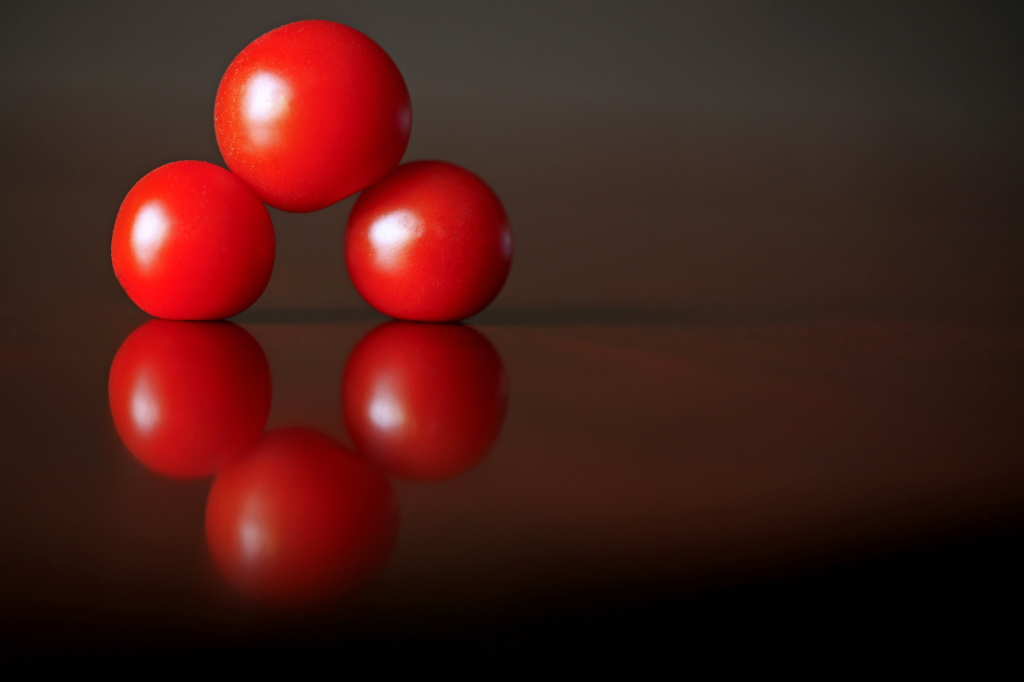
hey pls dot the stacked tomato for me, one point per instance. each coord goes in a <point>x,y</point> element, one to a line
<point>305,116</point>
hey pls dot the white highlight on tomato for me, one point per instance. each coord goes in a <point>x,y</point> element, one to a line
<point>145,408</point>
<point>148,232</point>
<point>506,243</point>
<point>266,98</point>
<point>385,410</point>
<point>252,533</point>
<point>390,233</point>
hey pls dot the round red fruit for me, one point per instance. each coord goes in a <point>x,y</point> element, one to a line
<point>431,242</point>
<point>191,242</point>
<point>311,113</point>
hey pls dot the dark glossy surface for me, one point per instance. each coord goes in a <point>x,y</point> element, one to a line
<point>674,458</point>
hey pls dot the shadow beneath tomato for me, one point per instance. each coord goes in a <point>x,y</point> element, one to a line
<point>424,401</point>
<point>301,520</point>
<point>189,397</point>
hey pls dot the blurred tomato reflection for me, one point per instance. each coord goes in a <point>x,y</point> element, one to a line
<point>189,397</point>
<point>300,520</point>
<point>424,401</point>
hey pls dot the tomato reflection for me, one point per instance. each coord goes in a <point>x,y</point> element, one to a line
<point>300,520</point>
<point>424,401</point>
<point>189,397</point>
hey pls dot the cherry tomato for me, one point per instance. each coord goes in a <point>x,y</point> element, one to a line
<point>301,520</point>
<point>430,242</point>
<point>191,242</point>
<point>424,402</point>
<point>311,113</point>
<point>188,397</point>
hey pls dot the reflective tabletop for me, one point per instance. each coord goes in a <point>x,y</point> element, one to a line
<point>226,483</point>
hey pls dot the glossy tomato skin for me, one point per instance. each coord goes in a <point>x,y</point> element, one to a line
<point>189,397</point>
<point>431,242</point>
<point>311,113</point>
<point>424,401</point>
<point>301,520</point>
<point>191,242</point>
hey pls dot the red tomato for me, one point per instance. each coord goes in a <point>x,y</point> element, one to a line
<point>424,402</point>
<point>301,520</point>
<point>311,113</point>
<point>430,242</point>
<point>191,242</point>
<point>188,397</point>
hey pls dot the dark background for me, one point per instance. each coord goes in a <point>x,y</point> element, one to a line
<point>661,156</point>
